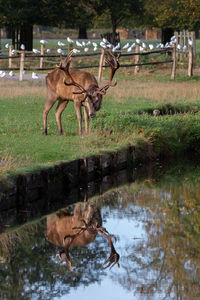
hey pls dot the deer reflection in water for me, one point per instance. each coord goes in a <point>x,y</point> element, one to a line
<point>79,229</point>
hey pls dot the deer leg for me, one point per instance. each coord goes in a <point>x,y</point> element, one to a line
<point>58,112</point>
<point>86,120</point>
<point>51,99</point>
<point>77,106</point>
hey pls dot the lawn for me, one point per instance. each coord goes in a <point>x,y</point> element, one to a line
<point>125,118</point>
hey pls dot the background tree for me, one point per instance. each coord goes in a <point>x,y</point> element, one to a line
<point>170,15</point>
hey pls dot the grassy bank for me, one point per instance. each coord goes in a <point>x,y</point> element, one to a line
<point>125,118</point>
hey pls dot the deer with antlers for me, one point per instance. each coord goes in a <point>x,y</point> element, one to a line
<point>80,229</point>
<point>66,84</point>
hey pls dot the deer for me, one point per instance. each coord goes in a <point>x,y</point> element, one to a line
<point>80,229</point>
<point>66,84</point>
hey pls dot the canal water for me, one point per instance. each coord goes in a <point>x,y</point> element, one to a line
<point>150,229</point>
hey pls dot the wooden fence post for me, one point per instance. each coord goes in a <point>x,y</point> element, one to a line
<point>190,61</point>
<point>21,70</point>
<point>42,53</point>
<point>101,62</point>
<point>137,59</point>
<point>10,54</point>
<point>174,61</point>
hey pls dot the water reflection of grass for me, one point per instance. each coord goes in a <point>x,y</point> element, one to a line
<point>166,206</point>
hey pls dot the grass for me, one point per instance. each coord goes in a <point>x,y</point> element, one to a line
<point>125,118</point>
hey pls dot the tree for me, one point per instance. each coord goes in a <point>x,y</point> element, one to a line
<point>116,13</point>
<point>21,15</point>
<point>173,15</point>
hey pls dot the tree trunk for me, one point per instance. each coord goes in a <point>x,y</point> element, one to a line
<point>26,36</point>
<point>82,34</point>
<point>167,33</point>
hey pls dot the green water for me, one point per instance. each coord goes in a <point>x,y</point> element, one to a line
<point>156,221</point>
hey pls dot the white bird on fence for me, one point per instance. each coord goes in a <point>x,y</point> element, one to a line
<point>109,45</point>
<point>161,46</point>
<point>179,47</point>
<point>48,50</point>
<point>11,74</point>
<point>126,46</point>
<point>103,45</point>
<point>43,42</point>
<point>190,42</point>
<point>117,47</point>
<point>95,49</point>
<point>167,45</point>
<point>60,44</point>
<point>60,51</point>
<point>22,47</point>
<point>13,52</point>
<point>76,51</point>
<point>105,40</point>
<point>88,43</point>
<point>36,51</point>
<point>131,47</point>
<point>86,49</point>
<point>83,44</point>
<point>173,39</point>
<point>78,44</point>
<point>94,44</point>
<point>144,46</point>
<point>184,48</point>
<point>141,48</point>
<point>138,41</point>
<point>7,46</point>
<point>158,45</point>
<point>69,40</point>
<point>2,73</point>
<point>35,75</point>
<point>151,47</point>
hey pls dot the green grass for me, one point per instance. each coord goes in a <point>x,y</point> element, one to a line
<point>125,118</point>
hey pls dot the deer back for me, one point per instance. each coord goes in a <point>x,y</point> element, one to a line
<point>55,81</point>
<point>61,225</point>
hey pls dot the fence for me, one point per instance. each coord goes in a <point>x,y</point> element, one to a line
<point>182,39</point>
<point>28,56</point>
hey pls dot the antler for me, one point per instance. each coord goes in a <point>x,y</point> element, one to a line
<point>66,64</point>
<point>114,256</point>
<point>113,62</point>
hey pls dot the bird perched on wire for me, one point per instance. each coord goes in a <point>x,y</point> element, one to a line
<point>78,44</point>
<point>43,42</point>
<point>126,46</point>
<point>36,51</point>
<point>76,51</point>
<point>2,73</point>
<point>35,75</point>
<point>60,44</point>
<point>69,40</point>
<point>11,74</point>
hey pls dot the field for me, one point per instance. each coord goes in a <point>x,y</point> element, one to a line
<point>125,118</point>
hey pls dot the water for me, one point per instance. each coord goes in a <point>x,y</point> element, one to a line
<point>156,222</point>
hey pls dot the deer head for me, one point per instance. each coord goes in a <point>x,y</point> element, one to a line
<point>79,229</point>
<point>93,93</point>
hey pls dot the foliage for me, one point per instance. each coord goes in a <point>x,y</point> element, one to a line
<point>179,14</point>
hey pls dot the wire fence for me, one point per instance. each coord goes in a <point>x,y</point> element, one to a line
<point>17,60</point>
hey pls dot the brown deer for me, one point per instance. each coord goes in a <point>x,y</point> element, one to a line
<point>79,229</point>
<point>66,84</point>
